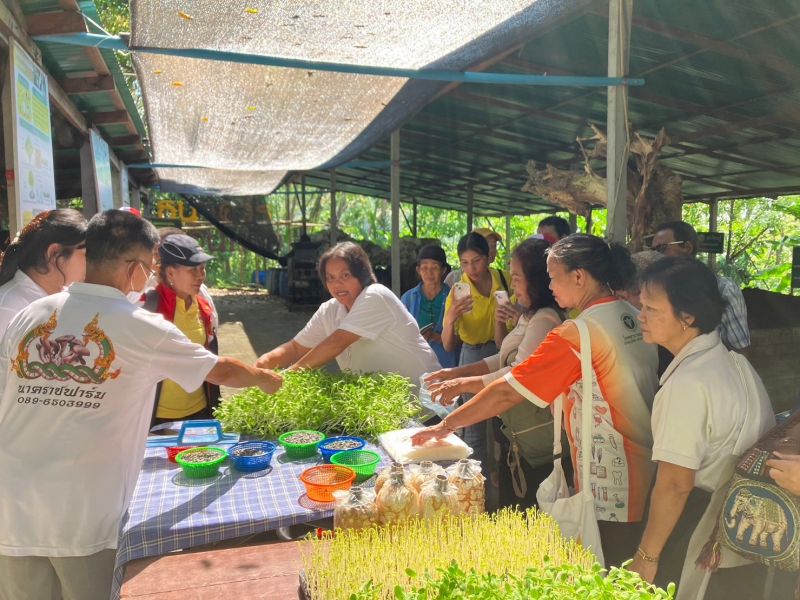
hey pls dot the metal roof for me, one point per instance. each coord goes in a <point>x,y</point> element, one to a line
<point>110,108</point>
<point>722,76</point>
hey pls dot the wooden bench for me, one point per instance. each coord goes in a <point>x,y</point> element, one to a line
<point>268,571</point>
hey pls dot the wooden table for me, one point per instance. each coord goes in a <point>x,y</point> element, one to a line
<point>269,571</point>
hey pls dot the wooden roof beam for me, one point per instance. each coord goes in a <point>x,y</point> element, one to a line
<point>125,140</point>
<point>88,85</point>
<point>114,117</point>
<point>55,23</point>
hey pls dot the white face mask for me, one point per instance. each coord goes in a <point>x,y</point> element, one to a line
<point>134,296</point>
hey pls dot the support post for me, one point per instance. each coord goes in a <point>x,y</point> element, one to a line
<point>508,241</point>
<point>334,223</point>
<point>470,205</point>
<point>713,217</point>
<point>619,28</point>
<point>589,222</point>
<point>303,204</point>
<point>414,207</point>
<point>395,195</point>
<point>573,222</point>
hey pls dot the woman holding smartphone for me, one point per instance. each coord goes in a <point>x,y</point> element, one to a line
<point>469,318</point>
<point>426,301</point>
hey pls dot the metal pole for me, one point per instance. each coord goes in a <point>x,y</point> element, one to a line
<point>394,145</point>
<point>470,200</point>
<point>333,236</point>
<point>414,217</point>
<point>508,241</point>
<point>303,203</point>
<point>713,214</point>
<point>619,27</point>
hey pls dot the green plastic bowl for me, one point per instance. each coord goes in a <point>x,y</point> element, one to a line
<point>200,470</point>
<point>363,462</point>
<point>301,450</point>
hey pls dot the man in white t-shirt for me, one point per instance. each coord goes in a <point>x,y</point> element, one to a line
<point>80,374</point>
<point>364,326</point>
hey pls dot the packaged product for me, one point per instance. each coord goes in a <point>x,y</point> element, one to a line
<point>438,498</point>
<point>470,484</point>
<point>396,501</point>
<point>419,475</point>
<point>354,509</point>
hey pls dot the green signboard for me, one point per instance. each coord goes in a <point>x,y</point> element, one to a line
<point>710,241</point>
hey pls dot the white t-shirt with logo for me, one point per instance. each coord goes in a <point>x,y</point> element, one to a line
<point>390,339</point>
<point>15,295</point>
<point>79,376</point>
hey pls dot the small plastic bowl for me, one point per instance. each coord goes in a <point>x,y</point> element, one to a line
<point>363,462</point>
<point>199,470</point>
<point>174,451</point>
<point>242,456</point>
<point>324,447</point>
<point>321,481</point>
<point>306,450</point>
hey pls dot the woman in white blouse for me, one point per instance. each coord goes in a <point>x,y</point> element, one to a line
<point>530,460</point>
<point>364,326</point>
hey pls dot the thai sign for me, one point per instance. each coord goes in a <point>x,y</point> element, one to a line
<point>34,176</point>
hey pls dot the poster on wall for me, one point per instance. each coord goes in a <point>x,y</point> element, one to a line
<point>124,187</point>
<point>34,176</point>
<point>104,187</point>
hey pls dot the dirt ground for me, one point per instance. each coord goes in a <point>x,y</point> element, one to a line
<point>253,322</point>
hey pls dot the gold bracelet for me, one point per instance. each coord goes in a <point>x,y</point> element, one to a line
<point>645,556</point>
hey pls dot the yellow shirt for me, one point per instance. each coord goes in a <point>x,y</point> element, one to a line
<point>477,326</point>
<point>174,402</point>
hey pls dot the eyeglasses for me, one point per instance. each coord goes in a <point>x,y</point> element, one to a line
<point>148,271</point>
<point>661,248</point>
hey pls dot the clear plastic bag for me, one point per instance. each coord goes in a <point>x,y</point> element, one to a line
<point>419,475</point>
<point>470,484</point>
<point>396,501</point>
<point>438,498</point>
<point>383,477</point>
<point>354,509</point>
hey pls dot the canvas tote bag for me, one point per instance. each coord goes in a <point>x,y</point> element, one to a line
<point>574,514</point>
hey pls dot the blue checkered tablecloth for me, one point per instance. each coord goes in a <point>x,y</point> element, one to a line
<point>169,512</point>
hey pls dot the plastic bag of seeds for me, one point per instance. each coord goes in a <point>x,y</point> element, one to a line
<point>396,501</point>
<point>354,509</point>
<point>438,498</point>
<point>470,484</point>
<point>383,476</point>
<point>419,475</point>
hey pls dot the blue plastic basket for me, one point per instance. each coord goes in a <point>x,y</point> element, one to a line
<point>248,464</point>
<point>327,453</point>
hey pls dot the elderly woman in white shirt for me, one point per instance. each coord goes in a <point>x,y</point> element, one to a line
<point>711,407</point>
<point>364,326</point>
<point>530,461</point>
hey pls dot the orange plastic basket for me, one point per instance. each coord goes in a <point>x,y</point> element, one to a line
<point>321,481</point>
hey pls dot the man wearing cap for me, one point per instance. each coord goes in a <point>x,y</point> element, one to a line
<point>426,301</point>
<point>178,298</point>
<point>493,238</point>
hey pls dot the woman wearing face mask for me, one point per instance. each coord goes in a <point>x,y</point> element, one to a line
<point>182,271</point>
<point>46,256</point>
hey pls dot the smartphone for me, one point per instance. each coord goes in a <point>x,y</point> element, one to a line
<point>501,296</point>
<point>461,290</point>
<point>426,329</point>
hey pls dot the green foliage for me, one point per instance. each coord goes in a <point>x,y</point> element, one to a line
<point>550,582</point>
<point>363,405</point>
<point>759,236</point>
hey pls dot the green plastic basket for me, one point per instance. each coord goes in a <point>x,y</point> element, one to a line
<point>363,462</point>
<point>209,468</point>
<point>301,450</point>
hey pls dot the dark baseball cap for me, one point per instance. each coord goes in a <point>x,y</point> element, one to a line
<point>181,249</point>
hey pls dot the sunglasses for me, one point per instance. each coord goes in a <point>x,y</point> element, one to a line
<point>661,248</point>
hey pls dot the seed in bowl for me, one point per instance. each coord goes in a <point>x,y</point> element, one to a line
<point>249,452</point>
<point>342,445</point>
<point>302,438</point>
<point>201,456</point>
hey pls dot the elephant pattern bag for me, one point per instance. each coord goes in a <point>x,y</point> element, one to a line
<point>760,520</point>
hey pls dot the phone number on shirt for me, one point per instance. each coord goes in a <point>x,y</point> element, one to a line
<point>54,402</point>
